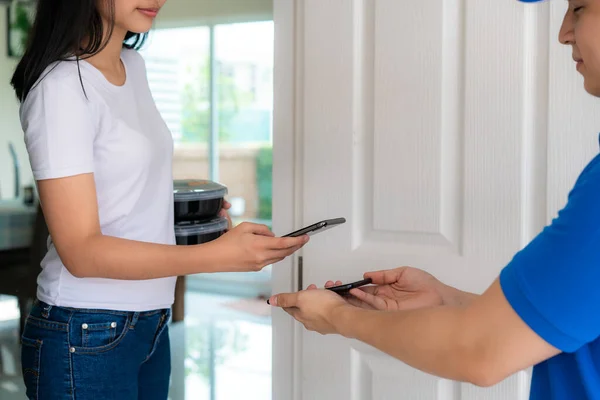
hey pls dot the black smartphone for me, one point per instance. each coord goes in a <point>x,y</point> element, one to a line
<point>318,227</point>
<point>345,289</point>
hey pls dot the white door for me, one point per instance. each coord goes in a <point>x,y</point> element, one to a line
<point>447,132</point>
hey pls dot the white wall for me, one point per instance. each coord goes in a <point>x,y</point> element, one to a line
<point>10,127</point>
<point>175,13</point>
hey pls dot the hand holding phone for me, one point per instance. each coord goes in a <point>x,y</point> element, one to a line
<point>344,289</point>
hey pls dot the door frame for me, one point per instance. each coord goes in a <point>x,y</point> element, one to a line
<point>287,190</point>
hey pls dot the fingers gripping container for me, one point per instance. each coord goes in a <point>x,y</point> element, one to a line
<point>197,200</point>
<point>197,206</point>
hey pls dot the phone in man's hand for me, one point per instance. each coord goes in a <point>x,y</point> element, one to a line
<point>344,289</point>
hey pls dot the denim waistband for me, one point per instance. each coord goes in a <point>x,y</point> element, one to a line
<point>64,314</point>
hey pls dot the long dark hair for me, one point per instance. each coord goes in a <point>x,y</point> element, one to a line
<point>58,32</point>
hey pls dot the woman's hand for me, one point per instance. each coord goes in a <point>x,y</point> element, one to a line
<point>251,247</point>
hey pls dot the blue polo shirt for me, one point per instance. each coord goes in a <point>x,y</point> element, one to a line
<point>554,286</point>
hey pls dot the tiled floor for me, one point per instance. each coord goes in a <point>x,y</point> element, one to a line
<point>221,352</point>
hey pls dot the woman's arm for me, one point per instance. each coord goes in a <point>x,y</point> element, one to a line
<point>71,212</point>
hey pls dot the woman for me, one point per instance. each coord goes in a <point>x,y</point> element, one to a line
<point>101,156</point>
<point>542,311</point>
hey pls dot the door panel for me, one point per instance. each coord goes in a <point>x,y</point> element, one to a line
<point>412,132</point>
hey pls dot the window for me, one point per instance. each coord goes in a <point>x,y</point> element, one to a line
<point>245,86</point>
<point>213,85</point>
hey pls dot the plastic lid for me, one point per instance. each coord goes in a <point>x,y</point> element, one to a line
<point>190,228</point>
<point>197,189</point>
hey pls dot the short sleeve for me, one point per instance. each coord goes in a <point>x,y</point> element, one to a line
<point>554,283</point>
<point>59,130</point>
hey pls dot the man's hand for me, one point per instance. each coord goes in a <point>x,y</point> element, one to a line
<point>403,288</point>
<point>315,309</point>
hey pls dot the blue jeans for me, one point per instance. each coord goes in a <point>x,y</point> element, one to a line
<point>80,354</point>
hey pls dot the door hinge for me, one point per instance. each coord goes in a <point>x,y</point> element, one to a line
<point>300,272</point>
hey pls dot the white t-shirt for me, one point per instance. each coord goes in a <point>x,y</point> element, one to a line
<point>118,135</point>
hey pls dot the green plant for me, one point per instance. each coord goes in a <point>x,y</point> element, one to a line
<point>264,177</point>
<point>196,111</point>
<point>22,23</point>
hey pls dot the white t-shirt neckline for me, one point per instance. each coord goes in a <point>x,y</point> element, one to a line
<point>100,78</point>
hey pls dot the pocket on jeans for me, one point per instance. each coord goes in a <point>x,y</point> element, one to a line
<point>101,334</point>
<point>97,332</point>
<point>30,365</point>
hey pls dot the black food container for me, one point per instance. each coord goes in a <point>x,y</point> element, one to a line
<point>190,232</point>
<point>197,200</point>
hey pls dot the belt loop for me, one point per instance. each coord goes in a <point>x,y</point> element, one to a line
<point>134,320</point>
<point>46,311</point>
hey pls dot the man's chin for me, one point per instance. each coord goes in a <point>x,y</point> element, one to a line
<point>592,88</point>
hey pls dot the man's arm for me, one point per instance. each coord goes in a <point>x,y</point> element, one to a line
<point>547,304</point>
<point>551,284</point>
<point>456,297</point>
<point>482,343</point>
